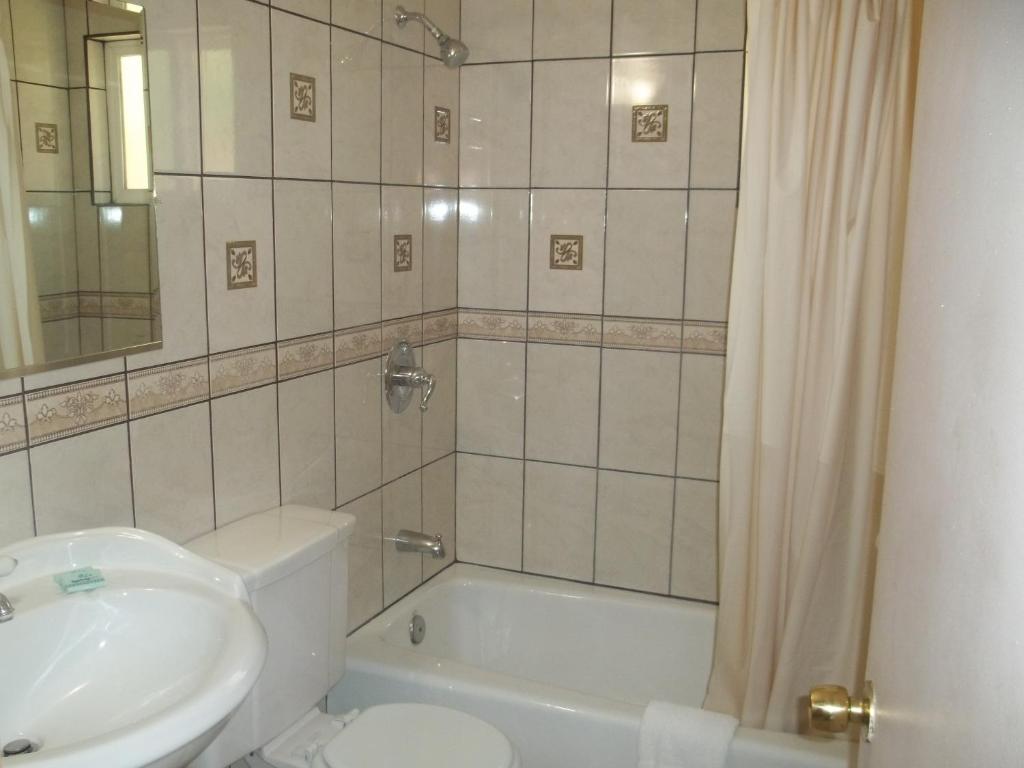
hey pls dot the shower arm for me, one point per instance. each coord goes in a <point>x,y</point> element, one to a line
<point>403,16</point>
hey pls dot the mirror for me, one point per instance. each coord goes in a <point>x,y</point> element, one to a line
<point>78,258</point>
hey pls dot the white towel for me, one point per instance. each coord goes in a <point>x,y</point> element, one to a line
<point>674,736</point>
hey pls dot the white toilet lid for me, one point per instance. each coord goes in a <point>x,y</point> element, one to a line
<point>420,736</point>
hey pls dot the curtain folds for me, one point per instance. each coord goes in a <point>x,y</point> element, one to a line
<point>811,330</point>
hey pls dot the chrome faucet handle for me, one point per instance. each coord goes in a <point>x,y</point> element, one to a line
<point>427,389</point>
<point>402,375</point>
<point>6,609</point>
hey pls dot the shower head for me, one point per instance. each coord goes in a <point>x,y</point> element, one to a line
<point>453,52</point>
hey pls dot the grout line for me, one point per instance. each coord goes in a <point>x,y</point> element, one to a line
<point>598,58</point>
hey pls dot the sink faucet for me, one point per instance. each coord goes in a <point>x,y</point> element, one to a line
<point>7,565</point>
<point>414,541</point>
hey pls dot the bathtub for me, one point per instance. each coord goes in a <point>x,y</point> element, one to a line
<point>564,669</point>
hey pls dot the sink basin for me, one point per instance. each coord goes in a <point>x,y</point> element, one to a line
<point>141,672</point>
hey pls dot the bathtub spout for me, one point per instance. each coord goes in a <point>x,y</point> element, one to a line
<point>414,541</point>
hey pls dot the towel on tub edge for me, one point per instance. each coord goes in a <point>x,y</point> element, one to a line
<point>674,736</point>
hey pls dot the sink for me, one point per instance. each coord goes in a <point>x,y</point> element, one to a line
<point>142,672</point>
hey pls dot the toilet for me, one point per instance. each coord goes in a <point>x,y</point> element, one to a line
<point>294,561</point>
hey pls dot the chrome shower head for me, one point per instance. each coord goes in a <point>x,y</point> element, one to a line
<point>453,52</point>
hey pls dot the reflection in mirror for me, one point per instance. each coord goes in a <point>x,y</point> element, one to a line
<point>78,268</point>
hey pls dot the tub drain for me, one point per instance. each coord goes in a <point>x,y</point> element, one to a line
<point>417,629</point>
<point>20,747</point>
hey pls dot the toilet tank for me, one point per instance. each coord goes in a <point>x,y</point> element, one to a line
<point>294,561</point>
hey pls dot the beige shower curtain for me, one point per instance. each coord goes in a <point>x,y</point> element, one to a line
<point>811,321</point>
<point>21,332</point>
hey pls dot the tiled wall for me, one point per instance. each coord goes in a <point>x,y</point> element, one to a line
<point>305,224</point>
<point>598,174</point>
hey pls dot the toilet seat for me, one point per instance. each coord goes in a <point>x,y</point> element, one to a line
<point>421,735</point>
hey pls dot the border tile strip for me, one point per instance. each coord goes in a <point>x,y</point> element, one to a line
<point>564,328</point>
<point>704,336</point>
<point>306,355</point>
<point>643,333</point>
<point>73,408</point>
<point>13,435</point>
<point>353,345</point>
<point>440,326</point>
<point>401,329</point>
<point>242,369</point>
<point>496,326</point>
<point>169,386</point>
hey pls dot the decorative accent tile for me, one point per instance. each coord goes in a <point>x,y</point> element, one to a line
<point>47,139</point>
<point>704,336</point>
<point>126,305</point>
<point>353,345</point>
<point>72,408</point>
<point>440,326</point>
<point>13,435</point>
<point>403,253</point>
<point>584,330</point>
<point>408,329</point>
<point>169,386</point>
<point>303,101</point>
<point>642,333</point>
<point>494,325</point>
<point>650,122</point>
<point>306,355</point>
<point>567,252</point>
<point>90,304</point>
<point>58,306</point>
<point>242,369</point>
<point>442,125</point>
<point>241,260</point>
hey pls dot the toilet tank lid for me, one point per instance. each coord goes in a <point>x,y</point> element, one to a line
<point>267,546</point>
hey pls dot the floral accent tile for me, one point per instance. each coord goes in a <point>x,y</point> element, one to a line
<point>567,252</point>
<point>442,125</point>
<point>704,336</point>
<point>58,306</point>
<point>495,325</point>
<point>408,329</point>
<point>642,333</point>
<point>583,330</point>
<point>440,326</point>
<point>127,305</point>
<point>242,369</point>
<point>353,345</point>
<point>170,386</point>
<point>241,260</point>
<point>298,356</point>
<point>47,141</point>
<point>13,434</point>
<point>303,99</point>
<point>650,122</point>
<point>403,253</point>
<point>72,408</point>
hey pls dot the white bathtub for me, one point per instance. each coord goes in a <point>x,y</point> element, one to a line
<point>564,669</point>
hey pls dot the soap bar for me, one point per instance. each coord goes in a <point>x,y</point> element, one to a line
<point>80,580</point>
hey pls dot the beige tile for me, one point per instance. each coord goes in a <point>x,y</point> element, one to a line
<point>52,237</point>
<point>653,26</point>
<point>308,354</point>
<point>498,31</point>
<point>174,385</point>
<point>302,251</point>
<point>439,511</point>
<point>490,397</point>
<point>402,116</point>
<point>411,36</point>
<point>712,223</point>
<point>440,132</point>
<point>695,540</point>
<point>700,416</point>
<point>82,482</point>
<point>239,210</point>
<point>440,326</point>
<point>13,431</point>
<point>243,369</point>
<point>570,123</point>
<point>494,233</point>
<point>314,9</point>
<point>361,15</point>
<point>439,419</point>
<point>440,249</point>
<point>365,578</point>
<point>494,325</point>
<point>69,409</point>
<point>717,105</point>
<point>561,421</point>
<point>721,25</point>
<point>489,511</point>
<point>573,213</point>
<point>356,254</point>
<point>554,327</point>
<point>80,170</point>
<point>568,28</point>
<point>660,80</point>
<point>401,283</point>
<point>307,440</point>
<point>639,433</point>
<point>44,170</point>
<point>245,455</point>
<point>76,26</point>
<point>73,373</point>
<point>172,473</point>
<point>39,43</point>
<point>634,530</point>
<point>357,427</point>
<point>558,523</point>
<point>494,115</point>
<point>234,38</point>
<point>403,571</point>
<point>16,523</point>
<point>402,435</point>
<point>355,110</point>
<point>646,253</point>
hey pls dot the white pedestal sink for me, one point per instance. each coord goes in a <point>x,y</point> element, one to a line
<point>142,672</point>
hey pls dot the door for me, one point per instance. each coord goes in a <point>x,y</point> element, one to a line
<point>947,635</point>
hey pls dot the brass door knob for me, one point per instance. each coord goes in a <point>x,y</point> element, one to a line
<point>832,709</point>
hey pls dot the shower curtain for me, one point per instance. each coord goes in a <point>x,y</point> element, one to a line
<point>811,332</point>
<point>21,331</point>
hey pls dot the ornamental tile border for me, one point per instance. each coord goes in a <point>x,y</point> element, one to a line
<point>242,369</point>
<point>70,409</point>
<point>154,390</point>
<point>296,357</point>
<point>13,435</point>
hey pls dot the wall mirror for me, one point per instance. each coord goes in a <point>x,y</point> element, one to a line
<point>78,258</point>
